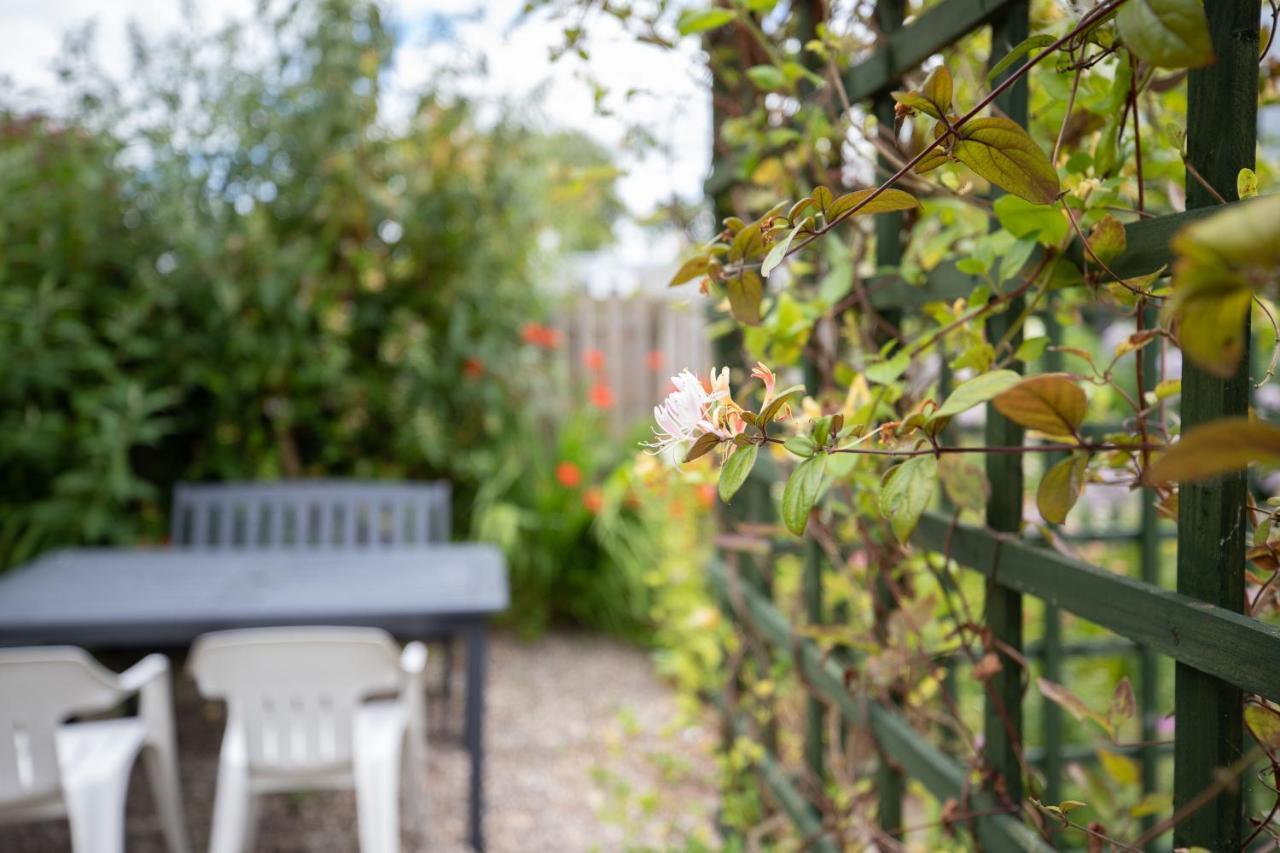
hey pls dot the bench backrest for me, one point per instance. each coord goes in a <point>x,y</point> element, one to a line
<point>315,515</point>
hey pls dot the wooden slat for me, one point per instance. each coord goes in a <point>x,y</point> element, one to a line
<point>1002,606</point>
<point>906,48</point>
<point>940,773</point>
<point>1203,636</point>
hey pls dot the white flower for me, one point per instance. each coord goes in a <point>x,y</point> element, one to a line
<point>685,414</point>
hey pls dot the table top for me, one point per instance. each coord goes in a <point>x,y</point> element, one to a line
<point>132,597</point>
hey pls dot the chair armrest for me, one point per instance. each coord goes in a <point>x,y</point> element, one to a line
<point>413,660</point>
<point>136,677</point>
<point>149,678</point>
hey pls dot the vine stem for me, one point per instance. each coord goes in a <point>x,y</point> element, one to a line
<point>1007,450</point>
<point>1085,23</point>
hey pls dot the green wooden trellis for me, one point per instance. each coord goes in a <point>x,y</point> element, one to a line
<point>1219,652</point>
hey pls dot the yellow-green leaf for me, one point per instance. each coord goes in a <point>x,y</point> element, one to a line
<point>1052,403</point>
<point>736,470</point>
<point>917,102</point>
<point>1211,324</point>
<point>906,493</point>
<point>1121,768</point>
<point>1264,723</point>
<point>964,481</point>
<point>886,202</point>
<point>801,492</point>
<point>999,150</point>
<point>1167,33</point>
<point>1216,448</point>
<point>1023,47</point>
<point>1107,239</point>
<point>937,88</point>
<point>701,20</point>
<point>1060,488</point>
<point>691,269</point>
<point>746,290</point>
<point>1246,184</point>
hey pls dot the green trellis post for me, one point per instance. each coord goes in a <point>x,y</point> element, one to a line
<point>1222,124</point>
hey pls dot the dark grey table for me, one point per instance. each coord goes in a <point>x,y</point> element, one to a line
<point>151,598</point>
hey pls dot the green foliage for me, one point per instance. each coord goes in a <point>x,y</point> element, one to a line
<point>240,269</point>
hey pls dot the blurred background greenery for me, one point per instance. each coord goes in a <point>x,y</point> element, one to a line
<point>235,268</point>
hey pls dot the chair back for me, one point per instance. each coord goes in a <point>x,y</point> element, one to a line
<point>312,515</point>
<point>292,693</point>
<point>39,689</point>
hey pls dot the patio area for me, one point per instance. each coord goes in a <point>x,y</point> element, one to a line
<point>573,720</point>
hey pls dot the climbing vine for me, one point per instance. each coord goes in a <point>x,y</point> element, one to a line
<point>1033,219</point>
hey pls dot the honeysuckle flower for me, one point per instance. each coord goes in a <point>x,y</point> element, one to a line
<point>686,413</point>
<point>762,372</point>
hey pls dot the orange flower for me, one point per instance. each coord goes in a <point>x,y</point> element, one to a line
<point>601,396</point>
<point>706,495</point>
<point>473,368</point>
<point>592,359</point>
<point>568,474</point>
<point>593,501</point>
<point>655,360</point>
<point>541,336</point>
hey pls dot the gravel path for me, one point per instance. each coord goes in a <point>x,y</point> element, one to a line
<point>583,754</point>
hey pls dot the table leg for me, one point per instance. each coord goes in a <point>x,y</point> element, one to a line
<point>477,651</point>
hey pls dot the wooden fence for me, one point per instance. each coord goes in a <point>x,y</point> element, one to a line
<point>624,350</point>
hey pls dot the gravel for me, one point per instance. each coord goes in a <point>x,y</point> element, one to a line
<point>583,753</point>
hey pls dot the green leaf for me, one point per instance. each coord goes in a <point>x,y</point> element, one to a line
<point>1060,488</point>
<point>701,20</point>
<point>907,492</point>
<point>886,202</point>
<point>736,469</point>
<point>704,445</point>
<point>964,481</point>
<point>1121,768</point>
<point>801,492</point>
<point>1167,33</point>
<point>800,445</point>
<point>1020,49</point>
<point>745,294</point>
<point>1052,403</point>
<point>1002,152</point>
<point>1215,448</point>
<point>888,371</point>
<point>691,269</point>
<point>767,78</point>
<point>977,391</point>
<point>780,249</point>
<point>1021,218</point>
<point>1031,349</point>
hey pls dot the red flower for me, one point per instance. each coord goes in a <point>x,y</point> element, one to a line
<point>592,359</point>
<point>592,500</point>
<point>541,336</point>
<point>655,360</point>
<point>601,396</point>
<point>473,368</point>
<point>706,495</point>
<point>568,474</point>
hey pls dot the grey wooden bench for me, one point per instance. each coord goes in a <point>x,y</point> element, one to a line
<point>310,515</point>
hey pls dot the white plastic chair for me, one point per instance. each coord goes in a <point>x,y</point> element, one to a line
<point>305,711</point>
<point>50,768</point>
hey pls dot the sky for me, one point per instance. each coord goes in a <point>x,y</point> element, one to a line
<point>516,55</point>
